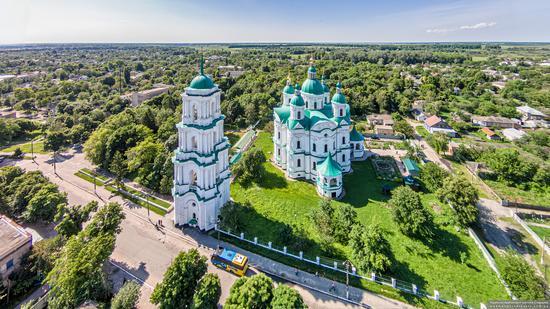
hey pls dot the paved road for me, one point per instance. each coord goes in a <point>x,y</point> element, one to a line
<point>143,252</point>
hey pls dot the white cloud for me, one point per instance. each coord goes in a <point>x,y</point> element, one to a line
<point>478,26</point>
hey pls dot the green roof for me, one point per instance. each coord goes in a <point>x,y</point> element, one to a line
<point>297,100</point>
<point>339,98</point>
<point>325,87</point>
<point>312,86</point>
<point>201,81</point>
<point>288,89</point>
<point>355,136</point>
<point>410,165</point>
<point>311,117</point>
<point>329,167</point>
<point>283,113</point>
<point>312,69</point>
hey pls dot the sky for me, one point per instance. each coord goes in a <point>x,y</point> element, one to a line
<point>207,21</point>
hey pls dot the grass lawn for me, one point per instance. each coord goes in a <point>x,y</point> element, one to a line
<point>514,194</point>
<point>153,208</point>
<point>88,178</point>
<point>26,147</point>
<point>422,131</point>
<point>277,201</point>
<point>541,231</point>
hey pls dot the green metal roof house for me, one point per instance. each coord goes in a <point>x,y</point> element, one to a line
<point>411,167</point>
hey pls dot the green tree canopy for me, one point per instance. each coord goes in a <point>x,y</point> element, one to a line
<point>524,283</point>
<point>127,297</point>
<point>410,215</point>
<point>462,196</point>
<point>250,292</point>
<point>370,249</point>
<point>208,292</point>
<point>432,176</point>
<point>180,281</point>
<point>285,297</point>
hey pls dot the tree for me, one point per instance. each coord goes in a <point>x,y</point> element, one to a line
<point>322,219</point>
<point>403,127</point>
<point>524,283</point>
<point>118,167</point>
<point>45,252</point>
<point>17,153</point>
<point>410,215</point>
<point>250,292</point>
<point>180,281</point>
<point>109,81</point>
<point>285,297</point>
<point>462,196</point>
<point>439,141</point>
<point>371,250</point>
<point>509,166</point>
<point>127,297</point>
<point>44,205</point>
<point>344,219</point>
<point>250,167</point>
<point>208,292</point>
<point>72,218</point>
<point>77,275</point>
<point>55,140</point>
<point>432,176</point>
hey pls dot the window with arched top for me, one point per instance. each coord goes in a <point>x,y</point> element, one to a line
<point>194,144</point>
<point>343,139</point>
<point>326,148</point>
<point>314,105</point>
<point>195,113</point>
<point>333,182</point>
<point>314,165</point>
<point>341,112</point>
<point>298,163</point>
<point>299,115</point>
<point>314,147</point>
<point>298,145</point>
<point>343,157</point>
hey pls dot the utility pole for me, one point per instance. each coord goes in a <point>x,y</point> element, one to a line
<point>54,167</point>
<point>218,229</point>
<point>94,185</point>
<point>347,263</point>
<point>32,150</point>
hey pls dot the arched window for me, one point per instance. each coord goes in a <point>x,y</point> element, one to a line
<point>314,147</point>
<point>278,135</point>
<point>314,105</point>
<point>341,112</point>
<point>194,144</point>
<point>333,182</point>
<point>343,157</point>
<point>298,145</point>
<point>326,148</point>
<point>343,139</point>
<point>279,152</point>
<point>314,165</point>
<point>298,163</point>
<point>357,146</point>
<point>299,115</point>
<point>195,113</point>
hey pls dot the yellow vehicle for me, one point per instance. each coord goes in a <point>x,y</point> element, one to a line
<point>231,261</point>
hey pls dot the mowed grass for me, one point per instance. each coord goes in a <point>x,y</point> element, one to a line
<point>542,232</point>
<point>429,265</point>
<point>37,147</point>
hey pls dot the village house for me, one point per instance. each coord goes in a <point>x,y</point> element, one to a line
<point>496,122</point>
<point>435,124</point>
<point>380,120</point>
<point>490,134</point>
<point>14,243</point>
<point>529,113</point>
<point>512,134</point>
<point>136,98</point>
<point>384,131</point>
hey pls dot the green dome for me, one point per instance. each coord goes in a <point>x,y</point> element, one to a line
<point>355,136</point>
<point>288,89</point>
<point>312,69</point>
<point>339,98</point>
<point>201,82</point>
<point>297,101</point>
<point>325,88</point>
<point>312,86</point>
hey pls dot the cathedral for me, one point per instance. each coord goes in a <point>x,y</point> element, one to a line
<point>312,137</point>
<point>201,161</point>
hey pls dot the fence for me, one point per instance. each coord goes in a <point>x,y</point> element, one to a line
<point>490,260</point>
<point>536,237</point>
<point>340,267</point>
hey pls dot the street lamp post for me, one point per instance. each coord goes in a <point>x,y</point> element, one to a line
<point>347,263</point>
<point>94,185</point>
<point>147,203</point>
<point>218,229</point>
<point>32,150</point>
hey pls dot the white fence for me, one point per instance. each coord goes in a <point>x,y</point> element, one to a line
<point>339,266</point>
<point>490,260</point>
<point>536,237</point>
